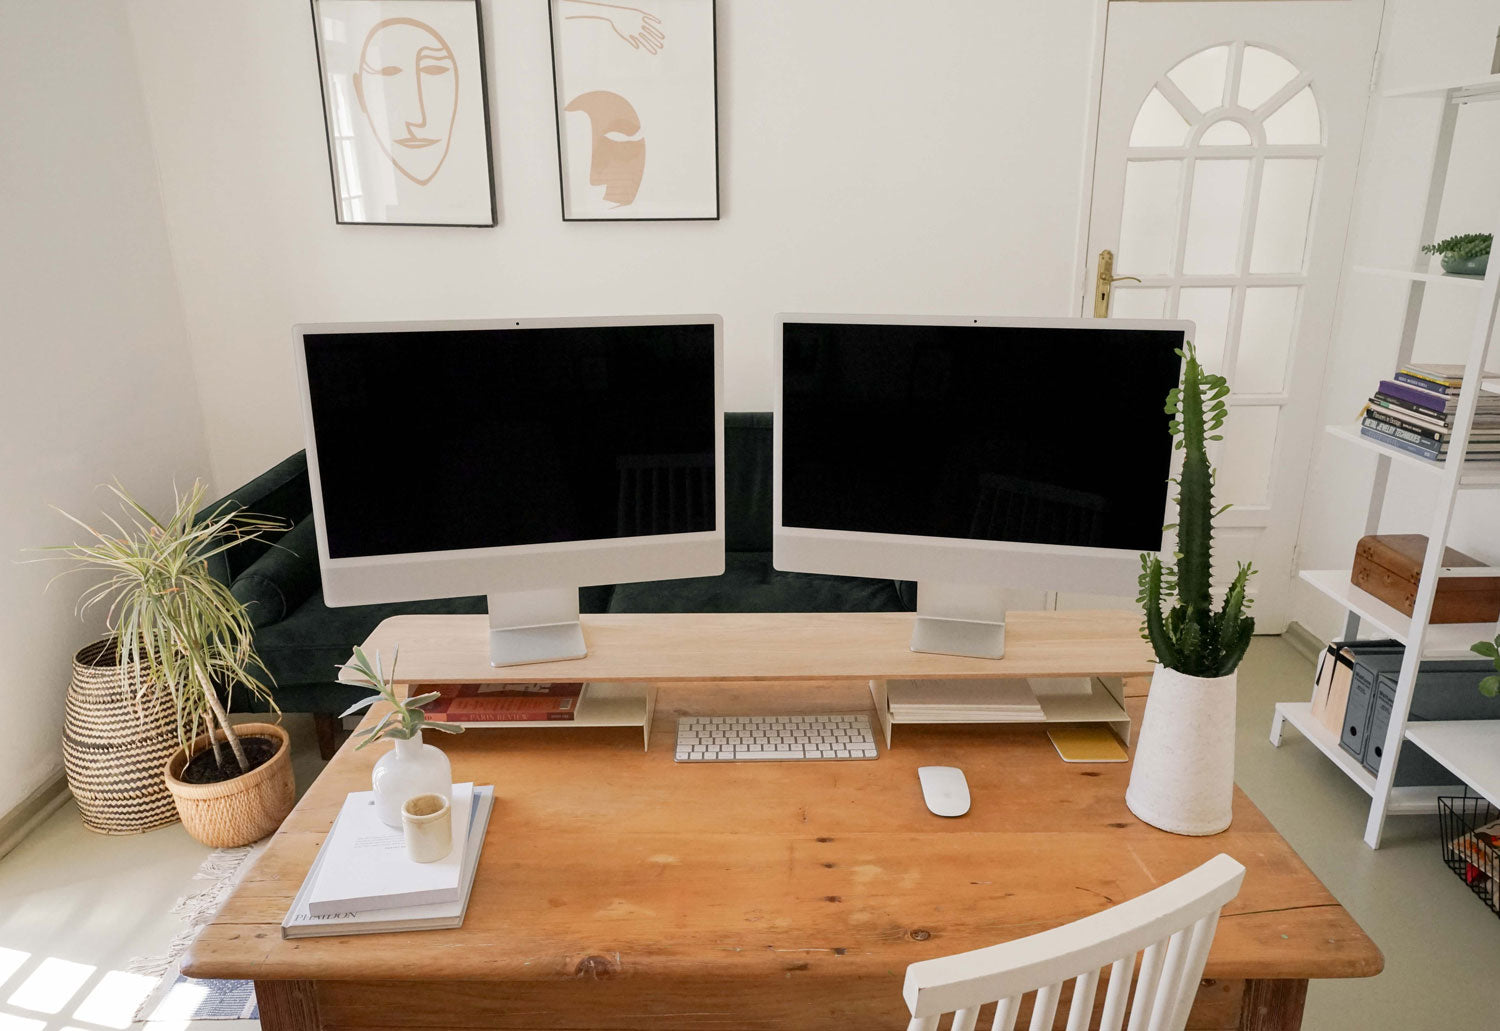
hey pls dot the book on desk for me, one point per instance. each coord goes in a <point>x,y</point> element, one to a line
<point>343,894</point>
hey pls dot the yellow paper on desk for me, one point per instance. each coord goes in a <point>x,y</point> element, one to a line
<point>1086,743</point>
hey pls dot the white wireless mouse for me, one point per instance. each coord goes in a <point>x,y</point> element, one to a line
<point>944,789</point>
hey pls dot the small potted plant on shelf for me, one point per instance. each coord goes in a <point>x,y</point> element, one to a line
<point>1182,775</point>
<point>410,768</point>
<point>1466,255</point>
<point>1490,685</point>
<point>183,638</point>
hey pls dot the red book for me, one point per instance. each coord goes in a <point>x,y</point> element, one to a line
<point>501,703</point>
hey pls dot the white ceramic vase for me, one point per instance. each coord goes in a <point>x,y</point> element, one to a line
<point>408,769</point>
<point>1182,773</point>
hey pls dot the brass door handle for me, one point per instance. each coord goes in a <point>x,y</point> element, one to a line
<point>1104,285</point>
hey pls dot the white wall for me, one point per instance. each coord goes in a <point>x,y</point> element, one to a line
<point>875,156</point>
<point>96,378</point>
<point>1423,41</point>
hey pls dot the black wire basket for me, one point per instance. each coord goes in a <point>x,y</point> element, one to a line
<point>1470,830</point>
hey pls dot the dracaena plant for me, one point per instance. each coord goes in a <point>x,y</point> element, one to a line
<point>1185,631</point>
<point>1490,685</point>
<point>179,628</point>
<point>406,719</point>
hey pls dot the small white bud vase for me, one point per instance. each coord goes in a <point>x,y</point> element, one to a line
<point>1182,772</point>
<point>410,768</point>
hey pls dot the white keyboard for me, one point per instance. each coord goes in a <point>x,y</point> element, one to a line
<point>738,738</point>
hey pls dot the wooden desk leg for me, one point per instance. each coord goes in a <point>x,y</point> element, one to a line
<point>1273,1005</point>
<point>288,1006</point>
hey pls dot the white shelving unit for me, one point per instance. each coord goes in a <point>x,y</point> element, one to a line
<point>1469,750</point>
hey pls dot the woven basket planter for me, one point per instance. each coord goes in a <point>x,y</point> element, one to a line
<point>114,748</point>
<point>239,811</point>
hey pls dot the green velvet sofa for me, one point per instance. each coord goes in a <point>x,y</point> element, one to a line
<point>301,640</point>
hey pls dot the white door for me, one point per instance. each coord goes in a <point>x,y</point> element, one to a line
<point>1228,138</point>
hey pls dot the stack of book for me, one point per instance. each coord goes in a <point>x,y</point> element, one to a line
<point>493,705</point>
<point>362,881</point>
<point>1414,412</point>
<point>963,701</point>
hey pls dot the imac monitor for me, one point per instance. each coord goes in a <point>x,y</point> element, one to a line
<point>973,455</point>
<point>518,458</point>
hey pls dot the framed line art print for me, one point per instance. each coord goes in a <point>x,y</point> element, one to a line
<point>636,92</point>
<point>406,110</point>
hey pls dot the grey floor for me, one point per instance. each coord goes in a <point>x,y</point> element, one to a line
<point>1441,944</point>
<point>75,907</point>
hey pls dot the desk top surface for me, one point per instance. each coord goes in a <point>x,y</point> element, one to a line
<point>604,860</point>
<point>771,646</point>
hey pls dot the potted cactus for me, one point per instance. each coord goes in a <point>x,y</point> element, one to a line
<point>1182,777</point>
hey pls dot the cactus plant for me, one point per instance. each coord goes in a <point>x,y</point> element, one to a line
<point>1189,636</point>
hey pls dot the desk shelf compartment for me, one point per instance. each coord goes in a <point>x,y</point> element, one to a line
<point>602,704</point>
<point>1062,699</point>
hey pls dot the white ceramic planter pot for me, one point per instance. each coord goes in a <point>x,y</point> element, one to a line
<point>1182,773</point>
<point>408,769</point>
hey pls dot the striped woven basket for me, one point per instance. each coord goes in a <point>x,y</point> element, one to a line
<point>114,748</point>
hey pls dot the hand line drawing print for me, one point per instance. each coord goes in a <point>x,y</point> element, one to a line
<point>411,99</point>
<point>617,162</point>
<point>641,29</point>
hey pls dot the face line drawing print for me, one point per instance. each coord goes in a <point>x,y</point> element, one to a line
<point>393,121</point>
<point>641,29</point>
<point>616,162</point>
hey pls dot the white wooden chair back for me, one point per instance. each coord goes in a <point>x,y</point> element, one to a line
<point>1171,927</point>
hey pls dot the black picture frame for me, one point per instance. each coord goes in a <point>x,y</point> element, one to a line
<point>557,111</point>
<point>329,137</point>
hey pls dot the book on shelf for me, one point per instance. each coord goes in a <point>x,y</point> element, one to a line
<point>1422,451</point>
<point>1485,412</point>
<point>1487,422</point>
<point>365,866</point>
<point>1428,402</point>
<point>1481,438</point>
<point>1437,377</point>
<point>301,923</point>
<point>478,705</point>
<point>964,701</point>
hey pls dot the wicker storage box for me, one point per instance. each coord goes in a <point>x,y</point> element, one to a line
<point>114,747</point>
<point>1389,566</point>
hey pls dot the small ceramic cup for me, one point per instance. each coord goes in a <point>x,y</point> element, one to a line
<point>427,821</point>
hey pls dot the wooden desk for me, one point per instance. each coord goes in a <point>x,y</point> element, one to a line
<point>619,890</point>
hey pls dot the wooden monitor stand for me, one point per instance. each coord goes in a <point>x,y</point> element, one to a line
<point>628,655</point>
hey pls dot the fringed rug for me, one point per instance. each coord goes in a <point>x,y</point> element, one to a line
<point>176,996</point>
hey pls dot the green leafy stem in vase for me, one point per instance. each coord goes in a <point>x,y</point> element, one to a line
<point>406,719</point>
<point>1490,685</point>
<point>1189,636</point>
<point>1461,248</point>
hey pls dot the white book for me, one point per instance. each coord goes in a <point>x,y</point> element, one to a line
<point>299,923</point>
<point>365,864</point>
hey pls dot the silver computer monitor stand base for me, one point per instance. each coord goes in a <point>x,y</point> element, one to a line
<point>959,619</point>
<point>535,626</point>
